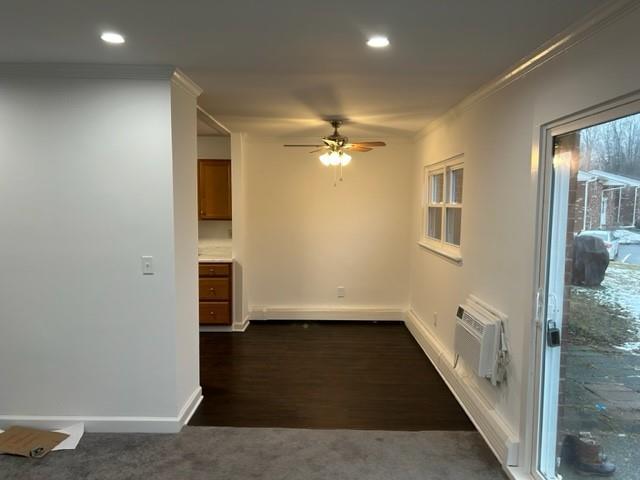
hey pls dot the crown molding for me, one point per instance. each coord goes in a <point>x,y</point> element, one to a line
<point>180,79</point>
<point>213,122</point>
<point>87,70</point>
<point>557,45</point>
<point>101,70</point>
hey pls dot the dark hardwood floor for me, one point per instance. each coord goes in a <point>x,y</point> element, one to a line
<point>356,375</point>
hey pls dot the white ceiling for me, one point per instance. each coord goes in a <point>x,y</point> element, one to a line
<point>278,67</point>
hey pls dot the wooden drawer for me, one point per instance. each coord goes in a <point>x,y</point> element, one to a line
<point>214,289</point>
<point>215,313</point>
<point>214,269</point>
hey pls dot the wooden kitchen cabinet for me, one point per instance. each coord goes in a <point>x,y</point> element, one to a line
<point>216,296</point>
<point>214,189</point>
<point>214,289</point>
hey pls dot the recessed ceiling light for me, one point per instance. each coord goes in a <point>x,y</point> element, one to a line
<point>378,42</point>
<point>112,37</point>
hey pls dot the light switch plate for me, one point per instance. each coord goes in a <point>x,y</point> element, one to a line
<point>341,292</point>
<point>147,266</point>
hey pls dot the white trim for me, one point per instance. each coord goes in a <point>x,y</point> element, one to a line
<point>243,326</point>
<point>517,473</point>
<point>599,18</point>
<point>124,424</point>
<point>87,70</point>
<point>190,406</point>
<point>102,71</point>
<point>440,246</point>
<point>213,122</point>
<point>455,256</point>
<point>601,113</point>
<point>216,329</point>
<point>502,441</point>
<point>362,313</point>
<point>227,328</point>
<point>180,79</point>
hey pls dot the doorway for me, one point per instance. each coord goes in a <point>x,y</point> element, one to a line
<point>589,328</point>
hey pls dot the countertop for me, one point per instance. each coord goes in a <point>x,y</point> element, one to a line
<point>209,259</point>
<point>215,255</point>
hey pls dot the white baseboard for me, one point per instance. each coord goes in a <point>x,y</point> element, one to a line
<point>357,313</point>
<point>125,424</point>
<point>211,328</point>
<point>498,435</point>
<point>242,327</point>
<point>190,406</point>
<point>227,328</point>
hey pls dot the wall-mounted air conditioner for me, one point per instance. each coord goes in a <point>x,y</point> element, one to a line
<point>479,339</point>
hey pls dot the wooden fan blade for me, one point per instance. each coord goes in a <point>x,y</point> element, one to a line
<point>307,146</point>
<point>358,148</point>
<point>370,144</point>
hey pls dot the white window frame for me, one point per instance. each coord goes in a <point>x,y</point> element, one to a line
<point>441,246</point>
<point>534,421</point>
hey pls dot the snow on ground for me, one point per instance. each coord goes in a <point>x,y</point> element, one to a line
<point>621,289</point>
<point>621,286</point>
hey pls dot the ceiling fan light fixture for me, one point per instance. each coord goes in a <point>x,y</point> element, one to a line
<point>335,159</point>
<point>325,158</point>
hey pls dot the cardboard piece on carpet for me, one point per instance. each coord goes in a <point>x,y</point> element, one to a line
<point>29,442</point>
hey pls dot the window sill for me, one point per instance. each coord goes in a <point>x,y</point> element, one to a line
<point>448,254</point>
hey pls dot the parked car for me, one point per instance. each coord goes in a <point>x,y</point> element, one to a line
<point>608,237</point>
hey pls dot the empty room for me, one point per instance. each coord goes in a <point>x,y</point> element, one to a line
<point>320,240</point>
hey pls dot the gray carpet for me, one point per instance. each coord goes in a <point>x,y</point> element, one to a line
<point>265,453</point>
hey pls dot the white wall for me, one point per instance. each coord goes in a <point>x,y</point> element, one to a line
<point>216,148</point>
<point>185,222</point>
<point>213,234</point>
<point>499,139</point>
<point>86,189</point>
<point>306,237</point>
<point>239,214</point>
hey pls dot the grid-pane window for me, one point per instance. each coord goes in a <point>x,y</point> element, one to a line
<point>443,206</point>
<point>435,200</point>
<point>455,185</point>
<point>454,222</point>
<point>437,188</point>
<point>434,229</point>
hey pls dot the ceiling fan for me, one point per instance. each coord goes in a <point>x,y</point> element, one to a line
<point>336,146</point>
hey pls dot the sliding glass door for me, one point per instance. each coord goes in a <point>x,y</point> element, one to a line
<point>588,321</point>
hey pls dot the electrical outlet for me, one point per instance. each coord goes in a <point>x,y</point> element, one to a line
<point>341,292</point>
<point>435,319</point>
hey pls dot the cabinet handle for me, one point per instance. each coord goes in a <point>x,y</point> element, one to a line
<point>211,270</point>
<point>212,289</point>
<point>212,314</point>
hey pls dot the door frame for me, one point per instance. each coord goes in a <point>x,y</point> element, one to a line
<point>604,112</point>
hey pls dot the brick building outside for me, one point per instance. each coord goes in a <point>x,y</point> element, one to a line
<point>613,201</point>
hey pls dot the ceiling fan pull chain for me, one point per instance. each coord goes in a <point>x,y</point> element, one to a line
<point>341,171</point>
<point>335,176</point>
